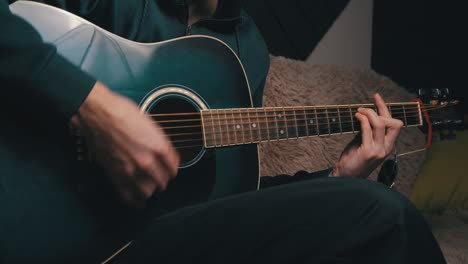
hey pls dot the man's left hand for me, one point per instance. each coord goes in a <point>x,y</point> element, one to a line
<point>379,133</point>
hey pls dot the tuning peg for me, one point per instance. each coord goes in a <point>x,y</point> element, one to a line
<point>421,92</point>
<point>435,93</point>
<point>445,91</point>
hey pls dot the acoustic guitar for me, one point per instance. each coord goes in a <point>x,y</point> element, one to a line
<point>196,88</point>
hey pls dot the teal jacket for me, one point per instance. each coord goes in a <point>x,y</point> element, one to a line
<point>28,62</point>
<point>29,67</point>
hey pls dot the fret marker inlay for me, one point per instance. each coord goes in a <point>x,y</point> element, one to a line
<point>222,128</point>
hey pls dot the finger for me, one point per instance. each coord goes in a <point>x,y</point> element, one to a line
<point>381,106</point>
<point>146,185</point>
<point>159,174</point>
<point>378,125</point>
<point>366,129</point>
<point>170,159</point>
<point>393,131</point>
<point>173,161</point>
<point>167,153</point>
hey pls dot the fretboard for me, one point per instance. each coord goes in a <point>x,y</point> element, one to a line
<point>227,127</point>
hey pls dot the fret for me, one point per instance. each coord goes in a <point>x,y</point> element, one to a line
<point>351,118</point>
<point>316,121</point>
<point>220,128</point>
<point>232,124</point>
<point>398,112</point>
<point>255,126</point>
<point>245,123</point>
<point>291,128</point>
<point>213,129</point>
<point>282,125</point>
<point>285,123</point>
<point>249,125</point>
<point>226,125</point>
<point>311,121</point>
<point>258,126</point>
<point>272,124</point>
<point>277,125</point>
<point>295,122</point>
<point>301,122</point>
<point>412,114</point>
<point>210,133</point>
<point>339,119</point>
<point>206,138</point>
<point>266,124</point>
<point>333,120</point>
<point>322,121</point>
<point>240,126</point>
<point>305,122</point>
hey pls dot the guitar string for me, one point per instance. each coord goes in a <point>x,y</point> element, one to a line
<point>286,126</point>
<point>288,113</point>
<point>298,108</point>
<point>285,113</point>
<point>240,117</point>
<point>317,120</point>
<point>263,134</point>
<point>301,108</point>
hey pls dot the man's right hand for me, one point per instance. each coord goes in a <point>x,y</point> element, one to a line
<point>134,151</point>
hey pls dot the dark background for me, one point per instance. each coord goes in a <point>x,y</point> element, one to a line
<point>419,44</point>
<point>416,43</point>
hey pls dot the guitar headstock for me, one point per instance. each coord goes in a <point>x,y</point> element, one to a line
<point>443,115</point>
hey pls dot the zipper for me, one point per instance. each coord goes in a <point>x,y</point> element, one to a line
<point>188,30</point>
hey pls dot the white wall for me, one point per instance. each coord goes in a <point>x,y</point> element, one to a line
<point>349,40</point>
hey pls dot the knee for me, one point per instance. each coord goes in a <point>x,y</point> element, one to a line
<point>383,200</point>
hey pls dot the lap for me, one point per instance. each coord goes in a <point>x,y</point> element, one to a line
<point>236,228</point>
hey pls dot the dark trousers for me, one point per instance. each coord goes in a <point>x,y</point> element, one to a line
<point>325,220</point>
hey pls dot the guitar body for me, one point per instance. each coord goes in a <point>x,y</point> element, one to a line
<point>187,74</point>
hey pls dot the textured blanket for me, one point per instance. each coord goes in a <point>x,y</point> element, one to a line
<point>296,83</point>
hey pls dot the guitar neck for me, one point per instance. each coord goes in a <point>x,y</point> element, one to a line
<point>227,127</point>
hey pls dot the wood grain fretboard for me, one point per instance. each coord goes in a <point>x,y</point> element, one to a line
<point>226,127</point>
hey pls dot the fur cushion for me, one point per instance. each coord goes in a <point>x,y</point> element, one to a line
<point>295,83</point>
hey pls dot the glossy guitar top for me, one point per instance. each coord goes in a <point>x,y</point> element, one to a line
<point>68,202</point>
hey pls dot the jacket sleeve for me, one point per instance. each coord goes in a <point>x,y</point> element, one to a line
<point>30,66</point>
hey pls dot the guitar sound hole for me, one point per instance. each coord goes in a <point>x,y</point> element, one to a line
<point>181,121</point>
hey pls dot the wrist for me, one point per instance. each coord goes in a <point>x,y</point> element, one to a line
<point>335,171</point>
<point>92,104</point>
<point>95,99</point>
